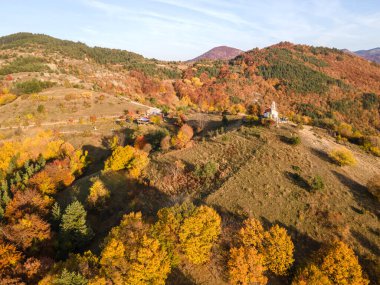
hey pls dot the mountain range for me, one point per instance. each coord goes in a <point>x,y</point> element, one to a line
<point>371,54</point>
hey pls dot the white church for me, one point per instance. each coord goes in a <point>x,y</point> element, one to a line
<point>271,113</point>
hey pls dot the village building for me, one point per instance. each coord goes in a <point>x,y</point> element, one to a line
<point>153,112</point>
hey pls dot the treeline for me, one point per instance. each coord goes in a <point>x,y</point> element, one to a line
<point>25,64</point>
<point>78,50</point>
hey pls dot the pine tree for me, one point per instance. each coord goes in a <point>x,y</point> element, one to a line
<point>5,196</point>
<point>73,226</point>
<point>1,212</point>
<point>56,212</point>
<point>17,178</point>
<point>70,278</point>
<point>41,161</point>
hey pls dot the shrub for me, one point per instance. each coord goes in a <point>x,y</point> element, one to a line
<point>207,170</point>
<point>41,109</point>
<point>316,183</point>
<point>7,98</point>
<point>157,120</point>
<point>25,64</point>
<point>342,156</point>
<point>293,140</point>
<point>32,86</point>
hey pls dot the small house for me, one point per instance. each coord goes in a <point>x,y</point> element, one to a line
<point>153,112</point>
<point>143,120</point>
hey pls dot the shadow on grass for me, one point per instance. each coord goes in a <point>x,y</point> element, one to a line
<point>365,242</point>
<point>361,194</point>
<point>369,265</point>
<point>298,180</point>
<point>96,156</point>
<point>127,195</point>
<point>176,276</point>
<point>322,155</point>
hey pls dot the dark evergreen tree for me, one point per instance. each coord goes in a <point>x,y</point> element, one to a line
<point>75,232</point>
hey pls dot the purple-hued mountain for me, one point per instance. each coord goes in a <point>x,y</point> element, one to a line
<point>371,54</point>
<point>222,53</point>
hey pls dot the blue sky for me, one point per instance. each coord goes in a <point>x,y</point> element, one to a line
<point>183,29</point>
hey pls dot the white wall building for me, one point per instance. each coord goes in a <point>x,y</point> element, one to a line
<point>271,113</point>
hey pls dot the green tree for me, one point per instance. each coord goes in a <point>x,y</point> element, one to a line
<point>70,278</point>
<point>74,227</point>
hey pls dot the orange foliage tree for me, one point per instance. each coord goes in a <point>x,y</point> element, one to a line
<point>245,266</point>
<point>183,136</point>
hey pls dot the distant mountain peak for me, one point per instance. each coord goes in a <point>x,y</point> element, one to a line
<point>371,54</point>
<point>219,53</point>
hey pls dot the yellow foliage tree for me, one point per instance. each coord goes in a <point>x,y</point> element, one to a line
<point>132,256</point>
<point>311,275</point>
<point>98,193</point>
<point>278,250</point>
<point>127,158</point>
<point>168,226</point>
<point>246,267</point>
<point>341,265</point>
<point>198,234</point>
<point>252,233</point>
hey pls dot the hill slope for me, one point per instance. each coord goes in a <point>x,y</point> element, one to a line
<point>219,53</point>
<point>325,86</point>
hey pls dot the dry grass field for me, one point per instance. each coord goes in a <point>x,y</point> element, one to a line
<point>260,180</point>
